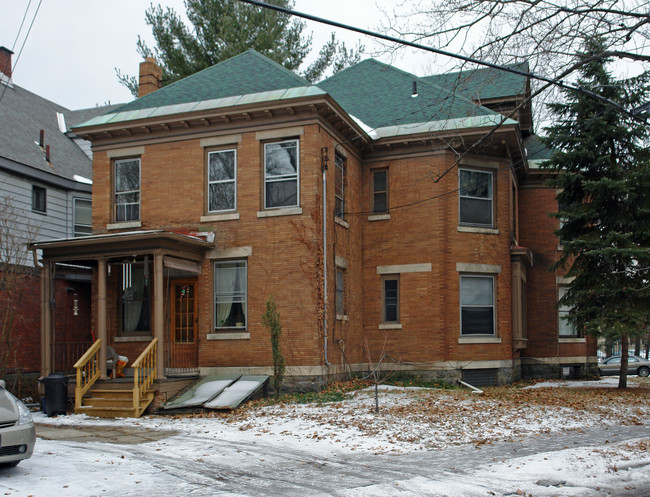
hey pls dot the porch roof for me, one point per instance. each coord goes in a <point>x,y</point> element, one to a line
<point>110,245</point>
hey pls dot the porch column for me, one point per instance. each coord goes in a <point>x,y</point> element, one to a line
<point>101,315</point>
<point>158,315</point>
<point>46,318</point>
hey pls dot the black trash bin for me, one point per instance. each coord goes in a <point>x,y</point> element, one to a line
<point>56,394</point>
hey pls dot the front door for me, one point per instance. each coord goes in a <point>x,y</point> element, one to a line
<point>183,343</point>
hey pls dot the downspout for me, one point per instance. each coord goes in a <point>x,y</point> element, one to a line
<point>323,164</point>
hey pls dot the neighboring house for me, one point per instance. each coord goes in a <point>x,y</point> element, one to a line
<point>374,207</point>
<point>45,190</point>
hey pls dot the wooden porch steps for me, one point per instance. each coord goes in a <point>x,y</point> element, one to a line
<point>113,403</point>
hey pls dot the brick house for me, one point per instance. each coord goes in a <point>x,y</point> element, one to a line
<point>384,213</point>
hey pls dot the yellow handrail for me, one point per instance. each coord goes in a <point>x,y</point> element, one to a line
<point>144,372</point>
<point>87,372</point>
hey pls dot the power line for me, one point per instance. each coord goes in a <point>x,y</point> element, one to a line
<point>392,39</point>
<point>21,25</point>
<point>24,42</point>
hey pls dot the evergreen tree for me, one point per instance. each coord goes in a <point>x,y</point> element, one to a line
<point>602,168</point>
<point>224,28</point>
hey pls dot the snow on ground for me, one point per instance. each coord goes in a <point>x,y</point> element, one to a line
<point>410,421</point>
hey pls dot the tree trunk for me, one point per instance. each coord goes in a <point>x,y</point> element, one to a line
<point>625,347</point>
<point>637,346</point>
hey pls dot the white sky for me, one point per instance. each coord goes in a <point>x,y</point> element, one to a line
<point>74,46</point>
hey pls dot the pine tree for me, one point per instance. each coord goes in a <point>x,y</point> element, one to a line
<point>224,28</point>
<point>602,173</point>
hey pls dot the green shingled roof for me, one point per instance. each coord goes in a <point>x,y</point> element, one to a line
<point>246,73</point>
<point>380,96</point>
<point>483,84</point>
<point>536,150</point>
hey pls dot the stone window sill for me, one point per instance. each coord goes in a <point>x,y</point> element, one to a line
<point>229,336</point>
<point>232,216</point>
<point>480,339</point>
<point>390,326</point>
<point>341,317</point>
<point>121,226</point>
<point>476,229</point>
<point>572,340</point>
<point>379,217</point>
<point>341,222</point>
<point>293,211</point>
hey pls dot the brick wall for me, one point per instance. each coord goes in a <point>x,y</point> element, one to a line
<point>535,203</point>
<point>26,330</point>
<point>427,232</point>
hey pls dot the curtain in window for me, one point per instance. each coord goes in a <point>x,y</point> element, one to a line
<point>230,294</point>
<point>132,296</point>
<point>225,293</point>
<point>281,174</point>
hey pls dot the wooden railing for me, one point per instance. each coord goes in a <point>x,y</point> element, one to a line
<point>144,372</point>
<point>87,372</point>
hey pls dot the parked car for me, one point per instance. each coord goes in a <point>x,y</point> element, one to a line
<point>635,365</point>
<point>17,433</point>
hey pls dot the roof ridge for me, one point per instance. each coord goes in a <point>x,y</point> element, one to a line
<point>486,68</point>
<point>274,63</point>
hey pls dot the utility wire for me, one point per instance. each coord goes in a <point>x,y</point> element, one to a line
<point>21,25</point>
<point>24,42</point>
<point>374,34</point>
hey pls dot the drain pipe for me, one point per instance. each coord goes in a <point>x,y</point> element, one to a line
<point>323,165</point>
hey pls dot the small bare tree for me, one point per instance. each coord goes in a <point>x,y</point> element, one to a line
<point>16,229</point>
<point>374,375</point>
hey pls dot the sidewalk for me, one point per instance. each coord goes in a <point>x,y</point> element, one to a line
<point>123,435</point>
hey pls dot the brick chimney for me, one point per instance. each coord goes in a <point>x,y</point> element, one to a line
<point>150,74</point>
<point>5,61</point>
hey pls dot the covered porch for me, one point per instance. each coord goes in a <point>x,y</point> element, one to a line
<point>144,304</point>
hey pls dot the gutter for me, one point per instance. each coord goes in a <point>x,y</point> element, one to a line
<point>324,159</point>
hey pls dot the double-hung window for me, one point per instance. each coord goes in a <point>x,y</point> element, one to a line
<point>127,190</point>
<point>82,222</point>
<point>230,294</point>
<point>566,328</point>
<point>222,180</point>
<point>476,305</point>
<point>380,191</point>
<point>39,196</point>
<point>281,174</point>
<point>339,186</point>
<point>390,299</point>
<point>475,197</point>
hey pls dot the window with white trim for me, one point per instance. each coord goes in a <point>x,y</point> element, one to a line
<point>222,180</point>
<point>475,197</point>
<point>82,217</point>
<point>230,294</point>
<point>281,174</point>
<point>566,329</point>
<point>127,190</point>
<point>476,305</point>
